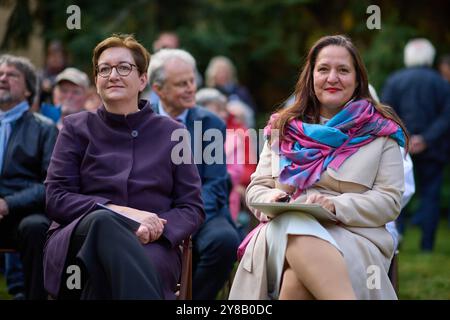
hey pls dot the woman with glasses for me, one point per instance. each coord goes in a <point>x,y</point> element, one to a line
<point>120,207</point>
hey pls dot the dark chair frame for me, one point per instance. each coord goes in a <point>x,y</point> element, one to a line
<point>393,272</point>
<point>185,285</point>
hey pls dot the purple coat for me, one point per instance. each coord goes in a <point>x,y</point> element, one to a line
<point>125,160</point>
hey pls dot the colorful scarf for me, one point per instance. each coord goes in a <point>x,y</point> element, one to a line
<point>308,149</point>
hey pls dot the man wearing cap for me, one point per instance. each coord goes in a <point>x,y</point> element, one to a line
<point>69,95</point>
<point>26,145</point>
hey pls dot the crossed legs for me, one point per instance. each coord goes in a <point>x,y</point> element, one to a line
<point>314,270</point>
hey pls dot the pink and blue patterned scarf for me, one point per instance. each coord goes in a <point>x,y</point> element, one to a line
<point>308,149</point>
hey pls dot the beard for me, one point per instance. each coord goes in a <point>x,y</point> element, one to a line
<point>6,98</point>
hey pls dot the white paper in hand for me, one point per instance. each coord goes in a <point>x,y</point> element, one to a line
<point>101,206</point>
<point>274,209</point>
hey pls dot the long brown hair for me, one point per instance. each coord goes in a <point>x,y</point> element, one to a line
<point>306,106</point>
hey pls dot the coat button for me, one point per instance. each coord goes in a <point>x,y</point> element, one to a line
<point>134,133</point>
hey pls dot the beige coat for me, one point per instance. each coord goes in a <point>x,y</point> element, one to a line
<point>366,192</point>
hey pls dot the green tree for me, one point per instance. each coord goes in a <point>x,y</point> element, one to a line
<point>267,40</point>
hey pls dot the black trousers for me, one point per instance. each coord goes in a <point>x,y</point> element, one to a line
<point>112,261</point>
<point>27,234</point>
<point>429,177</point>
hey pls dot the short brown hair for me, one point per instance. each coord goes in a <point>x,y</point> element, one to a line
<point>140,54</point>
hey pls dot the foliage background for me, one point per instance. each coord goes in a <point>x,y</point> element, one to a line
<point>267,39</point>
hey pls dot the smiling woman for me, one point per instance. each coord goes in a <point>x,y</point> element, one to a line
<point>120,74</point>
<point>105,159</point>
<point>334,79</point>
<point>339,149</point>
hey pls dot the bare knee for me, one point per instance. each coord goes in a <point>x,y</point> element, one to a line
<point>305,245</point>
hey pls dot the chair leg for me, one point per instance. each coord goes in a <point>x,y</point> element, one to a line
<point>189,273</point>
<point>393,272</point>
<point>185,291</point>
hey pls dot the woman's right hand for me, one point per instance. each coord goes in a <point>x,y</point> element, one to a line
<point>275,198</point>
<point>154,225</point>
<point>280,197</point>
<point>148,234</point>
<point>143,234</point>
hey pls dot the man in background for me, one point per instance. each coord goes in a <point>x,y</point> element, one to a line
<point>421,98</point>
<point>69,95</point>
<point>26,145</point>
<point>172,77</point>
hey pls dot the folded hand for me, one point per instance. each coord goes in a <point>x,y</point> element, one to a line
<point>151,227</point>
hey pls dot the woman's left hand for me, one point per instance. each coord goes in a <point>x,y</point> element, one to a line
<point>321,200</point>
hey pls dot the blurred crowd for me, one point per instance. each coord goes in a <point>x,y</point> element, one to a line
<point>419,93</point>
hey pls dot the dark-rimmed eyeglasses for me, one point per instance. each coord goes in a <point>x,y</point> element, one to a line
<point>123,69</point>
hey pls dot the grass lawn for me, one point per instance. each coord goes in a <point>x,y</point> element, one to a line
<point>422,275</point>
<point>3,293</point>
<point>425,275</point>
